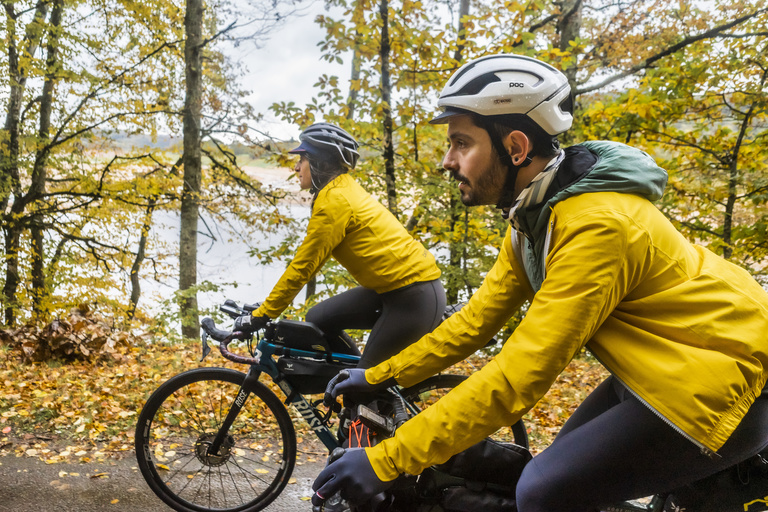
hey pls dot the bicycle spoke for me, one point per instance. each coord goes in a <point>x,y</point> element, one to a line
<point>251,466</point>
<point>234,484</point>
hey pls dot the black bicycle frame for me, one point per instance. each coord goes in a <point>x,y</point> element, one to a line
<point>264,352</point>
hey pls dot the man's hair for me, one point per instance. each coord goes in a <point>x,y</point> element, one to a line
<point>543,144</point>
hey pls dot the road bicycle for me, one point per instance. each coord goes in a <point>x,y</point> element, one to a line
<point>219,439</point>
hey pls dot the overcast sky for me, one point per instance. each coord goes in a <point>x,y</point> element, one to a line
<point>284,68</point>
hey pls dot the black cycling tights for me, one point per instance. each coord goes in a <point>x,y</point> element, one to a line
<point>396,318</point>
<point>614,448</point>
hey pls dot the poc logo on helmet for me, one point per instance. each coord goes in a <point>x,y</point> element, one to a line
<point>516,84</point>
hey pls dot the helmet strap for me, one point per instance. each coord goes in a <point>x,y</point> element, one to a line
<point>507,197</point>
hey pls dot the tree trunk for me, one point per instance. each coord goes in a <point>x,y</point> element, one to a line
<point>12,236</point>
<point>357,18</point>
<point>569,26</point>
<point>190,199</point>
<point>311,287</point>
<point>39,173</point>
<point>455,248</point>
<point>39,292</point>
<point>10,182</point>
<point>140,253</point>
<point>9,159</point>
<point>733,179</point>
<point>386,103</point>
<point>461,31</point>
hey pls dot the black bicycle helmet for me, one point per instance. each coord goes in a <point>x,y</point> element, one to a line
<point>325,139</point>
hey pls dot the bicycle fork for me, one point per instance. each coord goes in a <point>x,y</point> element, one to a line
<point>242,395</point>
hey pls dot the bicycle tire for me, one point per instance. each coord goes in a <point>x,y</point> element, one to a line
<point>432,389</point>
<point>182,416</point>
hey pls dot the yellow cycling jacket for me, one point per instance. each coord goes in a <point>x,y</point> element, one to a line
<point>363,236</point>
<point>682,328</point>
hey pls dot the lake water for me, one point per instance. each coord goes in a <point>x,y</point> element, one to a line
<point>225,260</point>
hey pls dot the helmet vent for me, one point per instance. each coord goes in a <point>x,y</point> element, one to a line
<point>468,67</point>
<point>476,85</point>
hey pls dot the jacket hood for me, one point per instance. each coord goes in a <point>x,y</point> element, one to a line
<point>619,168</point>
<point>599,166</point>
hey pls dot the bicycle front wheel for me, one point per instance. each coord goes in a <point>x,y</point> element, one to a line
<point>180,421</point>
<point>429,391</point>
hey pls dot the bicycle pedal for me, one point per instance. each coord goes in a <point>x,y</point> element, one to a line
<point>375,421</point>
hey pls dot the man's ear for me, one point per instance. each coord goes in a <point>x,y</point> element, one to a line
<point>518,146</point>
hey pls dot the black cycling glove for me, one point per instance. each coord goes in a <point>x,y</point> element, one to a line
<point>249,323</point>
<point>352,475</point>
<point>352,380</point>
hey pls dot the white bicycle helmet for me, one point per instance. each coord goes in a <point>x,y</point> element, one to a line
<point>504,84</point>
<point>322,139</point>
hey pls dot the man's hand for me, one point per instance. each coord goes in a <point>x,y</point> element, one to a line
<point>352,475</point>
<point>347,381</point>
<point>248,323</point>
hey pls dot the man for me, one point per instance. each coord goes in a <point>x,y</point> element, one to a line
<point>681,330</point>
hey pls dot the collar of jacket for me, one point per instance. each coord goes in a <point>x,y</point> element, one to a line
<point>599,166</point>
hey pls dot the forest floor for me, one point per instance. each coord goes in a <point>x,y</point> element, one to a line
<point>68,428</point>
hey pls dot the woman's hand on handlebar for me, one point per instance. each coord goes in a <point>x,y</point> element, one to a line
<point>248,323</point>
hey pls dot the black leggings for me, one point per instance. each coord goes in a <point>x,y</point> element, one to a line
<point>614,448</point>
<point>396,318</point>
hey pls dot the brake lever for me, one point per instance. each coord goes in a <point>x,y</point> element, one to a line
<point>206,348</point>
<point>231,308</point>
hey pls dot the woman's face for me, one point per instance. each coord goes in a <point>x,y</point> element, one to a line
<point>305,178</point>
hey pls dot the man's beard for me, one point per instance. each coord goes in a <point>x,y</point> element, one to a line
<point>486,190</point>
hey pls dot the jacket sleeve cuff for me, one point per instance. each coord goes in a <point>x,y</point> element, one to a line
<point>380,374</point>
<point>258,312</point>
<point>381,463</point>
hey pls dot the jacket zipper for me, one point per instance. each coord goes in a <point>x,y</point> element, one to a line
<point>704,450</point>
<point>545,250</point>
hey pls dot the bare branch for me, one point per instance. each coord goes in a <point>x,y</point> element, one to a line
<point>709,34</point>
<point>91,95</point>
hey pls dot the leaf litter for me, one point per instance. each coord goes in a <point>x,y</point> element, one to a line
<point>72,390</point>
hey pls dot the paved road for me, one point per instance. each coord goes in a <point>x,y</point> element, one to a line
<point>30,485</point>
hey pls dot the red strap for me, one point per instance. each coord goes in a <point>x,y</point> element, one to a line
<point>356,432</point>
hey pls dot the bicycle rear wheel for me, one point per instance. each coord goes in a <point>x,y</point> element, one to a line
<point>179,422</point>
<point>432,389</point>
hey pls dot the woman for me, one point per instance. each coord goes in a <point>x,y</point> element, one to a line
<point>400,297</point>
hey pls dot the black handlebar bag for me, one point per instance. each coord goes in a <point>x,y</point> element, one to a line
<point>740,488</point>
<point>481,478</point>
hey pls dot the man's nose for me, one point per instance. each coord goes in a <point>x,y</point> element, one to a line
<point>449,162</point>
